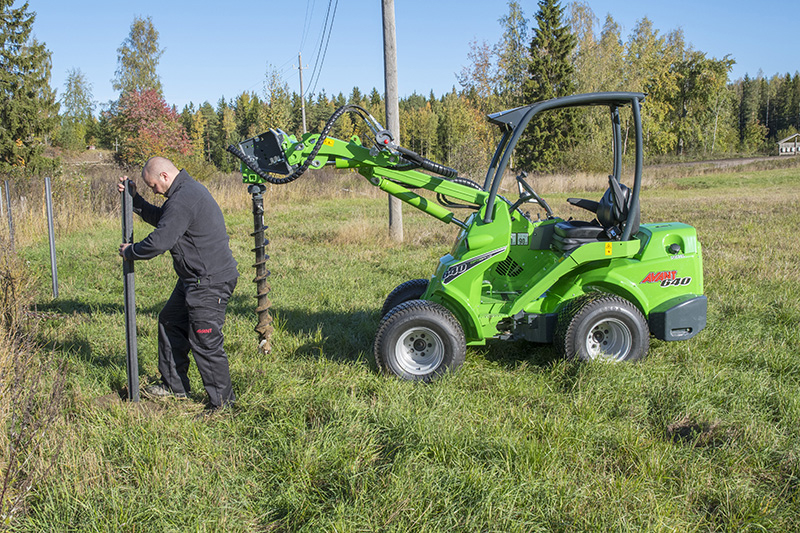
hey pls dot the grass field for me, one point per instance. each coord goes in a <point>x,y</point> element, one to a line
<point>702,435</point>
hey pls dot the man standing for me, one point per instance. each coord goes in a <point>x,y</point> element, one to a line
<point>190,225</point>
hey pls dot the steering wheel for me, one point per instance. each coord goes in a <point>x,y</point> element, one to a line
<point>528,194</point>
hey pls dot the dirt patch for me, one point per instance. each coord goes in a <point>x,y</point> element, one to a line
<point>121,398</point>
<point>687,430</point>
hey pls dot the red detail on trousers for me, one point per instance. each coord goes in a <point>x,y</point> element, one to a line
<point>204,330</point>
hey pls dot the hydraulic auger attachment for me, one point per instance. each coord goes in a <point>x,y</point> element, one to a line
<point>265,160</point>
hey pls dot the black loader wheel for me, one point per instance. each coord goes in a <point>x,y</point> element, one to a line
<point>410,290</point>
<point>603,327</point>
<point>419,341</point>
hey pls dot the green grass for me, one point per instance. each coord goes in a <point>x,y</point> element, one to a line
<point>702,435</point>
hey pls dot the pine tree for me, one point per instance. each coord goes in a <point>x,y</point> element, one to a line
<point>225,134</point>
<point>748,106</point>
<point>28,107</point>
<point>210,140</point>
<point>137,59</point>
<point>795,105</point>
<point>550,76</point>
<point>783,106</point>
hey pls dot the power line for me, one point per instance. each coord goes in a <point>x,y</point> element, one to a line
<point>320,59</point>
<point>321,40</point>
<point>307,23</point>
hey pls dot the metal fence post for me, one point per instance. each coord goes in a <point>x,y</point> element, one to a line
<point>132,358</point>
<point>53,267</point>
<point>10,218</point>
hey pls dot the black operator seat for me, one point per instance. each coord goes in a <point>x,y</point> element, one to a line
<point>611,212</point>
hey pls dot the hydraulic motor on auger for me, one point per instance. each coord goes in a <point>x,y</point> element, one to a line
<point>598,289</point>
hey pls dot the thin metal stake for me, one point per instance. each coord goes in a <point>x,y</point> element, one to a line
<point>130,297</point>
<point>10,218</point>
<point>53,267</point>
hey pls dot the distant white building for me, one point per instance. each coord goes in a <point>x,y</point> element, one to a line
<point>790,145</point>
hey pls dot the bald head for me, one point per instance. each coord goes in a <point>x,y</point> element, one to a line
<point>157,165</point>
<point>159,173</point>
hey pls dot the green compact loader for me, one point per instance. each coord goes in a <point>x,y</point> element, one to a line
<point>597,288</point>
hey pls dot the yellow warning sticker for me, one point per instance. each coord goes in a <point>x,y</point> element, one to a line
<point>608,248</point>
<point>328,141</point>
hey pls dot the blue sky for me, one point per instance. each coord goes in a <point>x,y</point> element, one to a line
<point>214,50</point>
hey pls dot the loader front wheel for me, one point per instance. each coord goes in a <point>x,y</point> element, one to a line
<point>410,290</point>
<point>419,340</point>
<point>602,327</point>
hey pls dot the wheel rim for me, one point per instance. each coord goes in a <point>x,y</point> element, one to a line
<point>419,351</point>
<point>609,340</point>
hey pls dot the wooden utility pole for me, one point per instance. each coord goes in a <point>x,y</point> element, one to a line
<point>392,107</point>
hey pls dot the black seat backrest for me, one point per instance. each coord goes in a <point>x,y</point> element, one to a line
<point>614,207</point>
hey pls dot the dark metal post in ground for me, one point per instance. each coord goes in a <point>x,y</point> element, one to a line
<point>10,218</point>
<point>130,298</point>
<point>48,193</point>
<point>264,326</point>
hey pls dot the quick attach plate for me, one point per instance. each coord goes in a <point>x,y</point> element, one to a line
<point>268,153</point>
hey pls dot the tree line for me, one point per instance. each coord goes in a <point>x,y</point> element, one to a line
<point>692,110</point>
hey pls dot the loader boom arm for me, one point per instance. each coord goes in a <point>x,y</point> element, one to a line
<point>393,169</point>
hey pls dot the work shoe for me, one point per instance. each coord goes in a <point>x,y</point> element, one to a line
<point>162,391</point>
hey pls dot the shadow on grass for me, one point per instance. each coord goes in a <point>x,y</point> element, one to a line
<point>510,354</point>
<point>72,307</point>
<point>80,347</point>
<point>341,336</point>
<point>335,335</point>
<point>338,336</point>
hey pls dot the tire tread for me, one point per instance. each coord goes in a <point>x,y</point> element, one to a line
<point>566,323</point>
<point>409,308</point>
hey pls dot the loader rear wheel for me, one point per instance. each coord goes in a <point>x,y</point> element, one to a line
<point>419,340</point>
<point>602,327</point>
<point>410,290</point>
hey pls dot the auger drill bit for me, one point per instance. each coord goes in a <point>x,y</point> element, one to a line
<point>264,326</point>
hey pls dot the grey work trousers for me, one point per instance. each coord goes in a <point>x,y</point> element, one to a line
<point>192,319</point>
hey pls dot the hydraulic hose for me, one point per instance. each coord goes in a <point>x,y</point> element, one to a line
<point>427,164</point>
<point>442,199</point>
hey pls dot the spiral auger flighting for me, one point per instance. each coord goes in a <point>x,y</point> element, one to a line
<point>264,325</point>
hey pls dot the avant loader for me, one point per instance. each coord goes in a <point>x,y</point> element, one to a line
<point>598,288</point>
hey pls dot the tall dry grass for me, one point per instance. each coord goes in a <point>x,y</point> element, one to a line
<point>85,191</point>
<point>31,392</point>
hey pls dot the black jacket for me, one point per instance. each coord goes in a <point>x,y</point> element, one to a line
<point>190,225</point>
